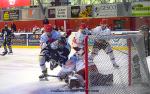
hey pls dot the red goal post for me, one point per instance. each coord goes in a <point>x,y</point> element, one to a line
<point>132,76</point>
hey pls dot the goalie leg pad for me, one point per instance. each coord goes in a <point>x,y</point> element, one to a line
<point>98,79</point>
<point>76,81</point>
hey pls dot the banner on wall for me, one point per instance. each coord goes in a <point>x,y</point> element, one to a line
<point>34,13</point>
<point>52,13</point>
<point>14,3</point>
<point>75,11</point>
<point>33,39</point>
<point>61,12</point>
<point>20,40</point>
<point>140,9</point>
<point>105,10</point>
<point>11,15</point>
<point>86,11</point>
<point>0,14</point>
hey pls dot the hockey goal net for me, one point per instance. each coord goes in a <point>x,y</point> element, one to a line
<point>132,76</point>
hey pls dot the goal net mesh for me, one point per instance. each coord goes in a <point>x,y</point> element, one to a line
<point>132,75</point>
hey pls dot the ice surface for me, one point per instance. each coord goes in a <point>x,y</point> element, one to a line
<point>19,75</point>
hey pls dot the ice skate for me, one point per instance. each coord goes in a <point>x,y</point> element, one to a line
<point>4,53</point>
<point>10,53</point>
<point>43,76</point>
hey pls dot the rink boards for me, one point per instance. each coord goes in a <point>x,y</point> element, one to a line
<point>30,40</point>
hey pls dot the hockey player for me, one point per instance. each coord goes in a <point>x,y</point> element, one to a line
<point>73,65</point>
<point>78,40</point>
<point>7,36</point>
<point>54,48</point>
<point>13,27</point>
<point>63,48</point>
<point>46,39</point>
<point>101,31</point>
<point>73,72</point>
<point>36,29</point>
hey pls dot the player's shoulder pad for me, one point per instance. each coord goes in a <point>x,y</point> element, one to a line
<point>43,35</point>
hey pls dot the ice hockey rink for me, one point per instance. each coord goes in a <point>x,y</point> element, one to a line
<point>19,75</point>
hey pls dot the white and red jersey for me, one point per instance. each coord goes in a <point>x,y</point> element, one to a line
<point>78,40</point>
<point>99,31</point>
<point>75,63</point>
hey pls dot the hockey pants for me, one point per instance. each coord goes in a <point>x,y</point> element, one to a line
<point>7,44</point>
<point>102,44</point>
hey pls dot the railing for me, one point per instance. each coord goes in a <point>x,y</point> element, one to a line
<point>30,39</point>
<point>25,39</point>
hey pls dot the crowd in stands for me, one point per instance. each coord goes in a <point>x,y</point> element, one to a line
<point>32,29</point>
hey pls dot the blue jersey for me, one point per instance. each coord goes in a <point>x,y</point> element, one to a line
<point>54,36</point>
<point>7,34</point>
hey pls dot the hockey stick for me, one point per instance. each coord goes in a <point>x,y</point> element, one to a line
<point>120,51</point>
<point>52,75</point>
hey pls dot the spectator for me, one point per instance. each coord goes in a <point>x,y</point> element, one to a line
<point>45,21</point>
<point>55,28</point>
<point>61,28</point>
<point>13,27</point>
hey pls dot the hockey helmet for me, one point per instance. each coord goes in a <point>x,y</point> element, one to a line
<point>82,26</point>
<point>48,28</point>
<point>104,22</point>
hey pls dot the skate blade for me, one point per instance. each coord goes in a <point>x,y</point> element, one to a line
<point>2,54</point>
<point>10,53</point>
<point>43,79</point>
